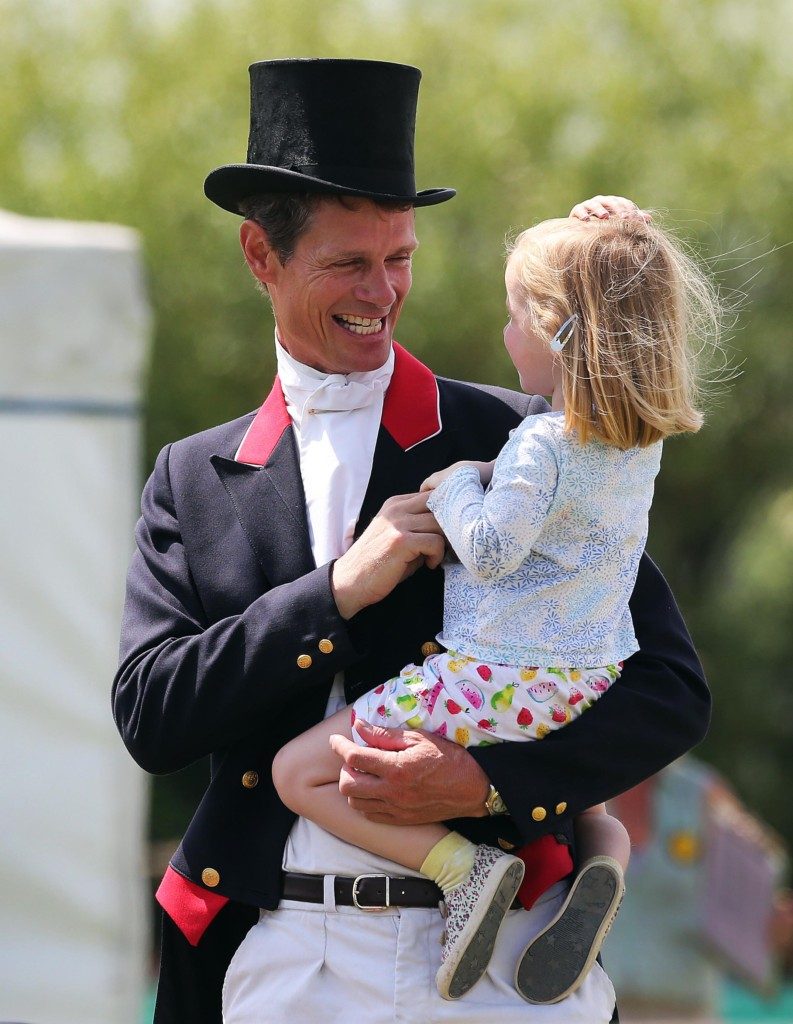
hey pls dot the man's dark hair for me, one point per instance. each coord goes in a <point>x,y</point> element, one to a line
<point>285,216</point>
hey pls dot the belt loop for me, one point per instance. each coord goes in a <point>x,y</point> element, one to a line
<point>329,893</point>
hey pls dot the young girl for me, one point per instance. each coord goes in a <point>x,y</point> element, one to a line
<point>547,542</point>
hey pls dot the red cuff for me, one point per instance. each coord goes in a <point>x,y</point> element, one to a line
<point>547,862</point>
<point>191,907</point>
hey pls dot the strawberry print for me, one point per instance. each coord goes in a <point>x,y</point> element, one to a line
<point>485,672</point>
<point>525,718</point>
<point>453,707</point>
<point>488,724</point>
<point>574,697</point>
<point>379,689</point>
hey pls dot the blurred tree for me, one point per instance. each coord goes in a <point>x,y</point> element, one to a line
<point>116,109</point>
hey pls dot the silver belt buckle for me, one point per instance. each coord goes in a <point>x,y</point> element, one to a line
<point>361,906</point>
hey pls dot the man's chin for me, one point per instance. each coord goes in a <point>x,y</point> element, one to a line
<point>361,354</point>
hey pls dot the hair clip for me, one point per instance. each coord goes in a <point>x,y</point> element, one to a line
<point>564,334</point>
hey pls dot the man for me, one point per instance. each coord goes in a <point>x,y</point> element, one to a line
<point>285,564</point>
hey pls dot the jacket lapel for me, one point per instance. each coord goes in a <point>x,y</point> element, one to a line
<point>265,487</point>
<point>410,441</point>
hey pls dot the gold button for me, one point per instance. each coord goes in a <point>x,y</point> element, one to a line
<point>250,779</point>
<point>430,648</point>
<point>561,807</point>
<point>505,844</point>
<point>210,877</point>
<point>304,661</point>
<point>326,646</point>
<point>539,814</point>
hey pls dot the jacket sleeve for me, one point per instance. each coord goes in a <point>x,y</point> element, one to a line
<point>186,687</point>
<point>657,710</point>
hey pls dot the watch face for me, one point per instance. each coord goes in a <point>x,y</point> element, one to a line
<point>494,803</point>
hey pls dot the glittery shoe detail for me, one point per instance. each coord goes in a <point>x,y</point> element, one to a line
<point>555,963</point>
<point>476,909</point>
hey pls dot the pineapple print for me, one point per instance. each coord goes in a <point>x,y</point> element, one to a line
<point>528,675</point>
<point>542,731</point>
<point>462,736</point>
<point>575,675</point>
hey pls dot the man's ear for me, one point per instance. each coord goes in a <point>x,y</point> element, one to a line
<point>260,256</point>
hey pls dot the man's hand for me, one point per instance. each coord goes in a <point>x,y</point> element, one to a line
<point>603,207</point>
<point>410,777</point>
<point>403,536</point>
<point>436,479</point>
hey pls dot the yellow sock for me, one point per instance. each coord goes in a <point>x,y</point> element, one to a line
<point>449,862</point>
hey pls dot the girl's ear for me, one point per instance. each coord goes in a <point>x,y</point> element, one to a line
<point>260,256</point>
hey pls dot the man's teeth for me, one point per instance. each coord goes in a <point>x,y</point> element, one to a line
<point>361,324</point>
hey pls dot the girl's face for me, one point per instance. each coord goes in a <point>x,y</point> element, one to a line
<point>530,355</point>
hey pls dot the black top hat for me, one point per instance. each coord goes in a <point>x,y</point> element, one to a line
<point>342,127</point>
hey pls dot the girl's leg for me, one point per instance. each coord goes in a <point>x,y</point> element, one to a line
<point>555,962</point>
<point>306,775</point>
<point>478,883</point>
<point>599,834</point>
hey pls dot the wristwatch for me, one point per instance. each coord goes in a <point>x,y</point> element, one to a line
<point>494,804</point>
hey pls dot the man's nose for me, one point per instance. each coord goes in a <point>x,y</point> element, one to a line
<point>377,288</point>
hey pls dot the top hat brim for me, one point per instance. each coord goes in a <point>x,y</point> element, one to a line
<point>227,186</point>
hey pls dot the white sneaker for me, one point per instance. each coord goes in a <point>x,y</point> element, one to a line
<point>475,910</point>
<point>556,961</point>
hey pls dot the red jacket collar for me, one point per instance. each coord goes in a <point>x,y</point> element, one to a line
<point>411,411</point>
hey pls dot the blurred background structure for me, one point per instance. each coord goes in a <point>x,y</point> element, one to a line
<point>74,330</point>
<point>114,110</point>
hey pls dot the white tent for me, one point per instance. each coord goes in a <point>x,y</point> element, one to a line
<point>74,326</point>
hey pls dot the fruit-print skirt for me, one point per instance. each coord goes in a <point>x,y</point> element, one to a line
<point>474,703</point>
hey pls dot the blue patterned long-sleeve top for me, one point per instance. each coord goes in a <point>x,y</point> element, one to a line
<point>548,554</point>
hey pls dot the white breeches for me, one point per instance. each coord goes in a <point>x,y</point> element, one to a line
<point>313,964</point>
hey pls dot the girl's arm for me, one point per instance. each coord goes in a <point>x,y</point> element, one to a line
<point>493,531</point>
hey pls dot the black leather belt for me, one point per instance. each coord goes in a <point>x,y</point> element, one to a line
<point>366,892</point>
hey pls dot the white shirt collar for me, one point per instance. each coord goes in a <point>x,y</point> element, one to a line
<point>299,381</point>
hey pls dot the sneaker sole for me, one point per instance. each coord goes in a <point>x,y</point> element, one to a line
<point>474,958</point>
<point>555,963</point>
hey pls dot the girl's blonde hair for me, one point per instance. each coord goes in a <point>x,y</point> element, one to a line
<point>642,309</point>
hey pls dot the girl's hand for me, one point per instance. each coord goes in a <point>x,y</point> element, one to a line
<point>436,479</point>
<point>603,207</point>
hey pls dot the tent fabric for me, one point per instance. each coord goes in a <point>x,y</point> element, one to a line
<point>74,326</point>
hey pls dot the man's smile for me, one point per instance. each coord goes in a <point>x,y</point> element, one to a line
<point>359,324</point>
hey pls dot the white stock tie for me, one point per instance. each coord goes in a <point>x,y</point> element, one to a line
<point>338,394</point>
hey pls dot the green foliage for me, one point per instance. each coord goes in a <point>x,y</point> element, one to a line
<point>116,109</point>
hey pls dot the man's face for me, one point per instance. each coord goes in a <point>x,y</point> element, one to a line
<point>337,300</point>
